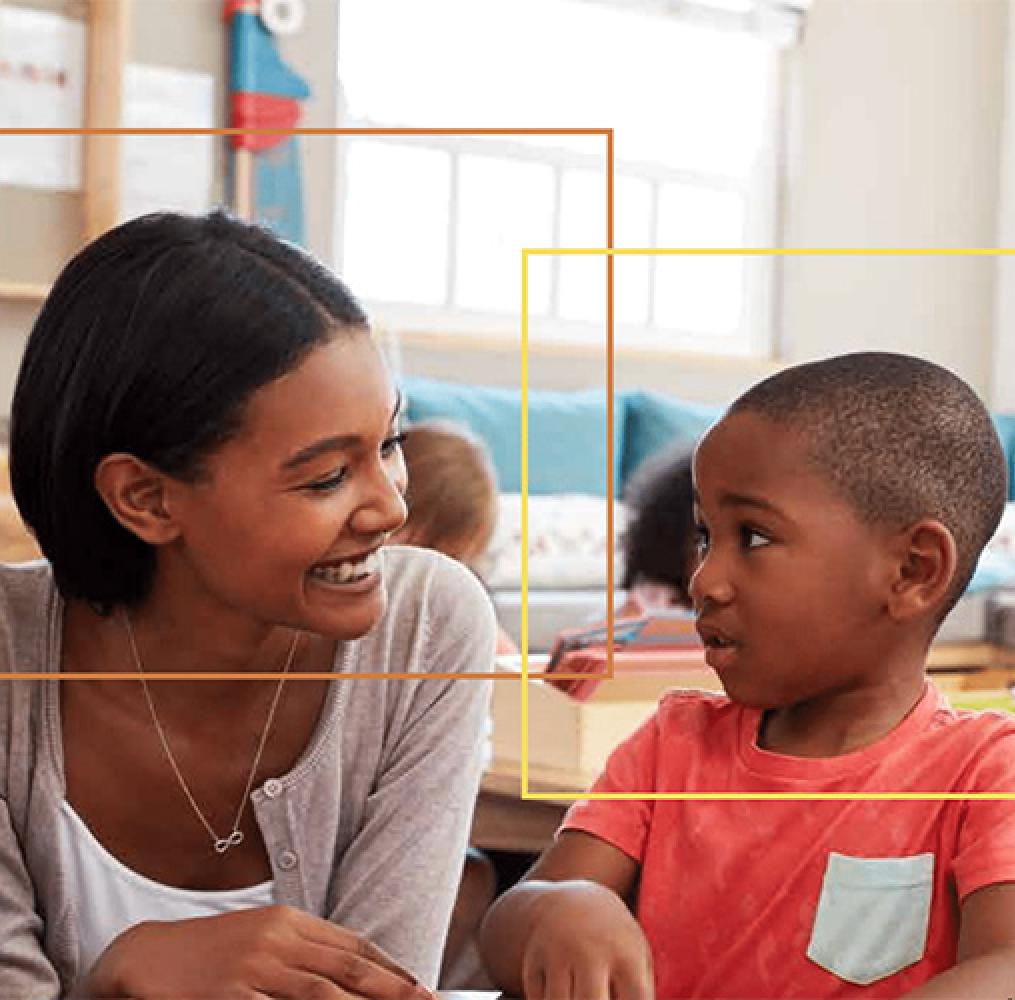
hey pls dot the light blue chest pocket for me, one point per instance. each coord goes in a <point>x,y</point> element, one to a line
<point>873,916</point>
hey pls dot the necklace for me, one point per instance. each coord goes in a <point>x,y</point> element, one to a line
<point>221,844</point>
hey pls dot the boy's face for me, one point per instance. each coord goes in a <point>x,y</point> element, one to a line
<point>791,585</point>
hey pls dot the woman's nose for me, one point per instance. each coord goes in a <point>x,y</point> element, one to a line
<point>383,509</point>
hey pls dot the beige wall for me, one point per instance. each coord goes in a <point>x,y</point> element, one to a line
<point>893,141</point>
<point>897,139</point>
<point>187,34</point>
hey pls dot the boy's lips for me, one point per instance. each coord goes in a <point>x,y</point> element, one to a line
<point>721,648</point>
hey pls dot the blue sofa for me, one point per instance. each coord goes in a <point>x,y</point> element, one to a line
<point>567,431</point>
<point>567,453</point>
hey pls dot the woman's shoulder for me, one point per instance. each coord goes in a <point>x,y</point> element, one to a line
<point>413,574</point>
<point>26,600</point>
<point>427,588</point>
<point>34,576</point>
<point>27,603</point>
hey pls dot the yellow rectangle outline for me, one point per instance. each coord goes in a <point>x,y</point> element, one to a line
<point>611,252</point>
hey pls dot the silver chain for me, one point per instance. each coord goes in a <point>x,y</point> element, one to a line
<point>235,837</point>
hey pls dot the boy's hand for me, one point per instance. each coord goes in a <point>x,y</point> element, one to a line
<point>585,945</point>
<point>274,951</point>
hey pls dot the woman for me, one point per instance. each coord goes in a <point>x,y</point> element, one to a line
<point>204,442</point>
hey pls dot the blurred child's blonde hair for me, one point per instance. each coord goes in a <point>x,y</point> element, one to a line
<point>452,495</point>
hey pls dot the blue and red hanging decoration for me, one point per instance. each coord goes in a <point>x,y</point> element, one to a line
<point>265,94</point>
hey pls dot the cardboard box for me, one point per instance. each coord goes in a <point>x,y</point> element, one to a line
<point>569,740</point>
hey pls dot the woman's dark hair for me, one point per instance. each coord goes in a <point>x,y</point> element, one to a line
<point>151,342</point>
<point>658,540</point>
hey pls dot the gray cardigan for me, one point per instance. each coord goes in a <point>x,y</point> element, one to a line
<point>368,828</point>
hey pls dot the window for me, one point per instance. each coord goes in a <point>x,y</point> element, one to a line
<point>430,229</point>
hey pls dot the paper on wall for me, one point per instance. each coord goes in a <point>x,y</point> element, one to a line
<point>42,85</point>
<point>166,172</point>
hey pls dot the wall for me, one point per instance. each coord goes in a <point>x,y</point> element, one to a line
<point>897,145</point>
<point>185,34</point>
<point>894,136</point>
<point>894,141</point>
<point>1003,386</point>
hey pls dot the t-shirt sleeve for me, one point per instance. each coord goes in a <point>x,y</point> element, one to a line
<point>985,852</point>
<point>630,769</point>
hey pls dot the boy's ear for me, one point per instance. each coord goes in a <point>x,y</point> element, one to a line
<point>136,495</point>
<point>925,568</point>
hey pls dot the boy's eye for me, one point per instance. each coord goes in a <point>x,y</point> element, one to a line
<point>753,539</point>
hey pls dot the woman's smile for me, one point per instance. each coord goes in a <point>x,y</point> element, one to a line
<point>351,576</point>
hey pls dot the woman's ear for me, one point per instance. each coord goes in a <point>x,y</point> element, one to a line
<point>136,496</point>
<point>925,569</point>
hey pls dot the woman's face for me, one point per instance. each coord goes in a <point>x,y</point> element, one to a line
<point>286,526</point>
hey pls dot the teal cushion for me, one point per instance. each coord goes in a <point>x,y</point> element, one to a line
<point>654,421</point>
<point>567,432</point>
<point>1005,424</point>
<point>993,570</point>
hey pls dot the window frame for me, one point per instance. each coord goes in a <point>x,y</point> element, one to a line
<point>755,338</point>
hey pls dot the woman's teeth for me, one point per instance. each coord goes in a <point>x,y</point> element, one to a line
<point>347,572</point>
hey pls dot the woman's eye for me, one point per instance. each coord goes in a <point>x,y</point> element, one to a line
<point>753,539</point>
<point>701,539</point>
<point>392,444</point>
<point>329,484</point>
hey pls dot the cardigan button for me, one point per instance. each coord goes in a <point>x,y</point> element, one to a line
<point>272,788</point>
<point>287,860</point>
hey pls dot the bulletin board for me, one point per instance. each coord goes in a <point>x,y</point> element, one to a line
<point>41,229</point>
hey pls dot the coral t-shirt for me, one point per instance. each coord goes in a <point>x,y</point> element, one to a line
<point>812,899</point>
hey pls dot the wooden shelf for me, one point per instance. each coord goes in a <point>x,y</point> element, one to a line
<point>16,291</point>
<point>946,655</point>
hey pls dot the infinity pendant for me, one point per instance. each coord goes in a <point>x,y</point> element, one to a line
<point>224,843</point>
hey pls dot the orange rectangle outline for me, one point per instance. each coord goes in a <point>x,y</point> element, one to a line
<point>607,134</point>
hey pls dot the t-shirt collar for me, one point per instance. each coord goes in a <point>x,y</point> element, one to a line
<point>770,763</point>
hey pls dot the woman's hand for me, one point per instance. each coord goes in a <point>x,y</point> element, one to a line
<point>585,945</point>
<point>272,951</point>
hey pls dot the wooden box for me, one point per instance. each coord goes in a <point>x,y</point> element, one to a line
<point>569,740</point>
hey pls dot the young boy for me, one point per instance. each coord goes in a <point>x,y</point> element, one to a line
<point>841,506</point>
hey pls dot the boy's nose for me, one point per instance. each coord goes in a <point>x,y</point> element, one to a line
<point>709,585</point>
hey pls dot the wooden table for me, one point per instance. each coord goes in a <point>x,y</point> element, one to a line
<point>504,821</point>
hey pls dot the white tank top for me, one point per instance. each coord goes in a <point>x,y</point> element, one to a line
<point>110,897</point>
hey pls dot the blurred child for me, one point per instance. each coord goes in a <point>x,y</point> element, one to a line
<point>841,507</point>
<point>659,546</point>
<point>452,496</point>
<point>452,491</point>
<point>659,540</point>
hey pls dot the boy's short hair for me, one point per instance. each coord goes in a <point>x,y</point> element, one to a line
<point>152,341</point>
<point>659,536</point>
<point>900,438</point>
